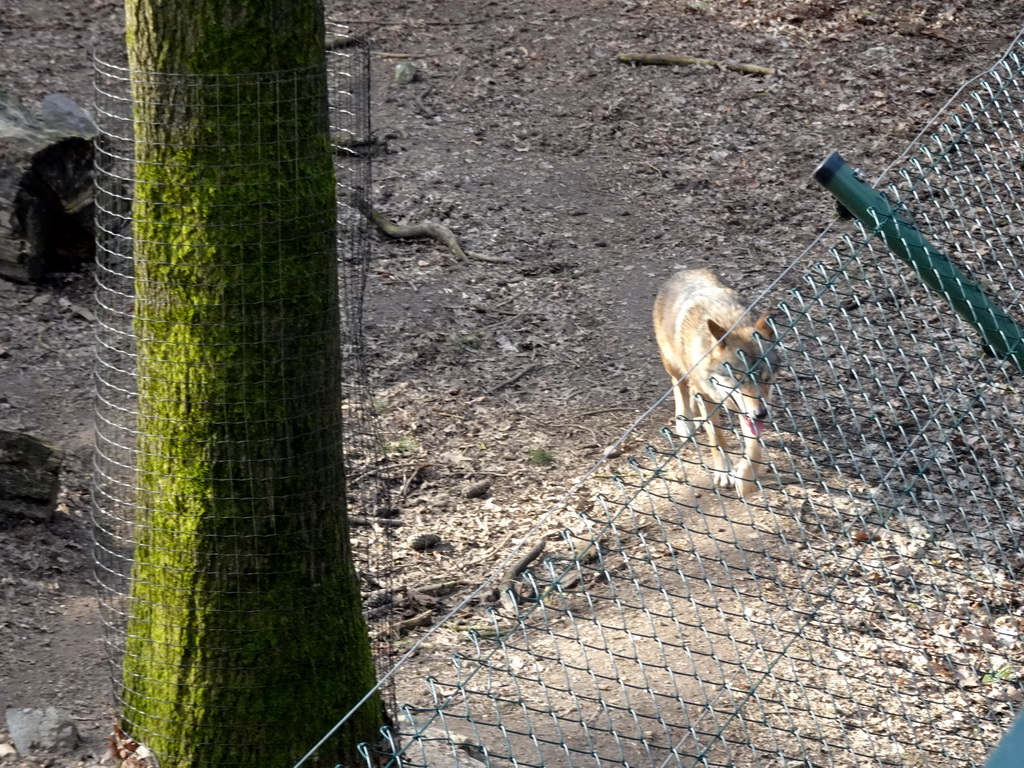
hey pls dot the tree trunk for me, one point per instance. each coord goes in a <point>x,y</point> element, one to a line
<point>245,640</point>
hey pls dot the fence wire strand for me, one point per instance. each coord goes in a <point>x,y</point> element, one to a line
<point>864,606</point>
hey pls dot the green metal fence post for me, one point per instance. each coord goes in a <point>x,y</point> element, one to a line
<point>998,330</point>
<point>1009,753</point>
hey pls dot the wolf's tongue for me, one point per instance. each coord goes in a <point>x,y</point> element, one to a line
<point>754,426</point>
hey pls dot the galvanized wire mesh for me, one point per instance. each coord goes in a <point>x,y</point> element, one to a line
<point>121,513</point>
<point>863,607</point>
<point>368,476</point>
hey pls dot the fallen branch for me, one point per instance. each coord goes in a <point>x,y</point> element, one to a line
<point>383,522</point>
<point>430,229</point>
<point>512,379</point>
<point>403,627</point>
<point>439,588</point>
<point>519,566</point>
<point>506,319</point>
<point>669,60</point>
<point>409,480</point>
<point>485,630</point>
<point>498,308</point>
<point>508,580</point>
<point>597,412</point>
<point>387,55</point>
<point>347,41</point>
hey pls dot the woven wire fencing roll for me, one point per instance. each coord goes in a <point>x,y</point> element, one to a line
<point>120,511</point>
<point>864,606</point>
<point>113,484</point>
<point>368,476</point>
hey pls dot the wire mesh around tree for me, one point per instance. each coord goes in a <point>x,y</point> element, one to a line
<point>121,512</point>
<point>368,475</point>
<point>864,606</point>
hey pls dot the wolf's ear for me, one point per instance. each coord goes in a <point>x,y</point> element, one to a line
<point>763,328</point>
<point>717,331</point>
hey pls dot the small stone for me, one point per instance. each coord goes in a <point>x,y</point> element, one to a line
<point>7,751</point>
<point>84,313</point>
<point>406,72</point>
<point>425,542</point>
<point>613,451</point>
<point>478,490</point>
<point>43,298</point>
<point>41,730</point>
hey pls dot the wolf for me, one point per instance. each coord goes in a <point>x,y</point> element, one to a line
<point>719,361</point>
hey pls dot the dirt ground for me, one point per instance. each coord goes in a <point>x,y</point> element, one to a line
<point>594,179</point>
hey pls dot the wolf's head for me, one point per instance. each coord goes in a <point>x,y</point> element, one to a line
<point>741,368</point>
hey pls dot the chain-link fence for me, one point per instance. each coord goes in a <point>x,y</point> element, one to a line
<point>863,605</point>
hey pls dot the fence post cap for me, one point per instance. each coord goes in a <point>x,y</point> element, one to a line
<point>829,167</point>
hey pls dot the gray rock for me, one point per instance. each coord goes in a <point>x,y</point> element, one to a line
<point>478,490</point>
<point>29,476</point>
<point>13,113</point>
<point>406,72</point>
<point>63,114</point>
<point>41,730</point>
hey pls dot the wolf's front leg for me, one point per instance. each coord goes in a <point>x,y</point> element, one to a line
<point>723,471</point>
<point>686,424</point>
<point>753,456</point>
<point>720,464</point>
<point>745,477</point>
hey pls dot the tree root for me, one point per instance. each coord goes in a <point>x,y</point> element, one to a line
<point>665,59</point>
<point>429,229</point>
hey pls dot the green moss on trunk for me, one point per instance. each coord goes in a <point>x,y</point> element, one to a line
<point>245,640</point>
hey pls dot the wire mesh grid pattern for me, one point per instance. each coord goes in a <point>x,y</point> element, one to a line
<point>864,606</point>
<point>178,300</point>
<point>368,476</point>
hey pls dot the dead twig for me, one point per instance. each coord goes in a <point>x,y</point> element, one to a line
<point>507,319</point>
<point>427,112</point>
<point>348,41</point>
<point>508,579</point>
<point>512,379</point>
<point>383,522</point>
<point>429,229</point>
<point>498,308</point>
<point>669,60</point>
<point>436,589</point>
<point>420,620</point>
<point>381,471</point>
<point>410,479</point>
<point>598,411</point>
<point>516,569</point>
<point>485,630</point>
